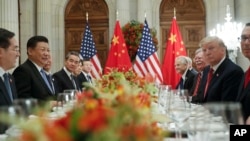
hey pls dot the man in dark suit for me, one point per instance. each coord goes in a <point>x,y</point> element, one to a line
<point>47,69</point>
<point>221,79</point>
<point>244,89</point>
<point>29,76</point>
<point>200,65</point>
<point>85,75</point>
<point>9,52</point>
<point>187,76</point>
<point>65,78</point>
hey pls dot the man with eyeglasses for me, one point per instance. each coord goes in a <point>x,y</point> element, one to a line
<point>8,59</point>
<point>65,78</point>
<point>244,89</point>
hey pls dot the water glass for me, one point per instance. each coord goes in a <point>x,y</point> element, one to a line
<point>28,105</point>
<point>164,97</point>
<point>10,116</point>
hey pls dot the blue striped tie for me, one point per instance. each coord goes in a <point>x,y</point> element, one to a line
<point>7,85</point>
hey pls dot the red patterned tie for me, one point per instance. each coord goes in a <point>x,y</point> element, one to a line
<point>198,80</point>
<point>247,78</point>
<point>209,77</point>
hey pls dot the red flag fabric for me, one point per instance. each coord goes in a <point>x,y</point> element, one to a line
<point>88,51</point>
<point>146,60</point>
<point>174,48</point>
<point>118,55</point>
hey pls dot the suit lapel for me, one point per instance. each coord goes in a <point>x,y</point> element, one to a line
<point>38,75</point>
<point>5,92</point>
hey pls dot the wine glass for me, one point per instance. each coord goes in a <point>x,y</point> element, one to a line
<point>222,115</point>
<point>198,127</point>
<point>10,116</point>
<point>179,110</point>
<point>164,97</point>
<point>64,102</point>
<point>73,94</point>
<point>28,105</point>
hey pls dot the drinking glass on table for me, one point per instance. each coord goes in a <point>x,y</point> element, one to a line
<point>164,97</point>
<point>28,105</point>
<point>64,102</point>
<point>223,114</point>
<point>73,94</point>
<point>9,117</point>
<point>179,110</point>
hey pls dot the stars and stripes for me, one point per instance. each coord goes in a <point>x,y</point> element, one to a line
<point>146,61</point>
<point>88,51</point>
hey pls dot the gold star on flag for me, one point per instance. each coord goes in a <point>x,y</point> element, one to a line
<point>115,40</point>
<point>172,38</point>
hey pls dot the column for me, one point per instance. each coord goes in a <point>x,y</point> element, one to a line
<point>44,18</point>
<point>9,17</point>
<point>123,8</point>
<point>27,24</point>
<point>145,8</point>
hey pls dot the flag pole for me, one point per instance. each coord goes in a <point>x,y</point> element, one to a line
<point>117,15</point>
<point>87,16</point>
<point>145,14</point>
<point>174,13</point>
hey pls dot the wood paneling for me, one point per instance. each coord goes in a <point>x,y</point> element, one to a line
<point>75,21</point>
<point>190,17</point>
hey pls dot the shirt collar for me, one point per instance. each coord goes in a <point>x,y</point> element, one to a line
<point>67,72</point>
<point>215,67</point>
<point>37,67</point>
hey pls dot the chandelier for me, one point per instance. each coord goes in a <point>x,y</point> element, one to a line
<point>229,32</point>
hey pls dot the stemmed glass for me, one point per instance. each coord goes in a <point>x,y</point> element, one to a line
<point>179,110</point>
<point>222,115</point>
<point>28,105</point>
<point>64,102</point>
<point>73,94</point>
<point>10,116</point>
<point>164,96</point>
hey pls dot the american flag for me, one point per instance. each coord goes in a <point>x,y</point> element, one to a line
<point>88,51</point>
<point>146,61</point>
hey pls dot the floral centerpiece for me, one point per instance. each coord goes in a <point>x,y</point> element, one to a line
<point>118,108</point>
<point>132,32</point>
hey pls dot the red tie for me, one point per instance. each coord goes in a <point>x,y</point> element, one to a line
<point>209,77</point>
<point>247,78</point>
<point>198,80</point>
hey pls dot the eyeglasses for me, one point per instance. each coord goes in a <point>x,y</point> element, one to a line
<point>244,38</point>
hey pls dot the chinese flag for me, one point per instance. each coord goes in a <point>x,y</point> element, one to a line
<point>174,48</point>
<point>118,55</point>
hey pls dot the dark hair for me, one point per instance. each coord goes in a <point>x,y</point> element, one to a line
<point>5,36</point>
<point>247,24</point>
<point>32,42</point>
<point>71,53</point>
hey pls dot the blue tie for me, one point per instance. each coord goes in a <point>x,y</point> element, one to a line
<point>89,78</point>
<point>73,81</point>
<point>7,85</point>
<point>49,78</point>
<point>46,80</point>
<point>181,86</point>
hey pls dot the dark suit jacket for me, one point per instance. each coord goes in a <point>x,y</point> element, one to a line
<point>189,80</point>
<point>82,79</point>
<point>4,96</point>
<point>224,83</point>
<point>63,81</point>
<point>30,84</point>
<point>244,98</point>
